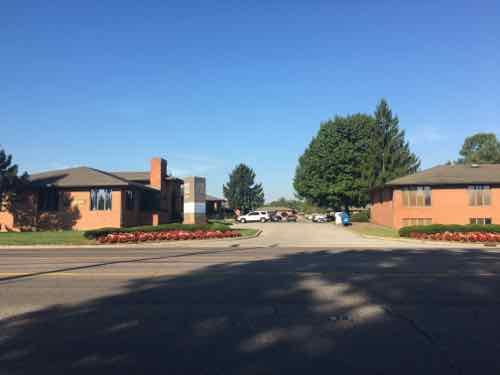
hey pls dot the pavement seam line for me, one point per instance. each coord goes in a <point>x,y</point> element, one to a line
<point>444,354</point>
<point>135,260</point>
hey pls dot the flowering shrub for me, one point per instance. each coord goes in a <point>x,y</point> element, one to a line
<point>169,235</point>
<point>96,233</point>
<point>458,236</point>
<point>453,228</point>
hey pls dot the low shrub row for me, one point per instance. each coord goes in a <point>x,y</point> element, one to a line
<point>453,228</point>
<point>169,235</point>
<point>95,233</point>
<point>458,236</point>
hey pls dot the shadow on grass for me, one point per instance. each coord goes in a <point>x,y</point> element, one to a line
<point>373,312</point>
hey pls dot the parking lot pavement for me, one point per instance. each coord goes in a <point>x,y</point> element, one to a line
<point>249,310</point>
<point>303,234</point>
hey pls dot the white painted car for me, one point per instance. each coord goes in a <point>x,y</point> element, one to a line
<point>253,216</point>
<point>320,218</point>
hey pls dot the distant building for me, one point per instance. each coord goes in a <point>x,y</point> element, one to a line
<point>446,194</point>
<point>215,207</point>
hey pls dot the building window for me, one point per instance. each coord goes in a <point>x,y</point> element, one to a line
<point>407,222</point>
<point>100,199</point>
<point>479,195</point>
<point>48,200</point>
<point>420,196</point>
<point>129,199</point>
<point>480,220</point>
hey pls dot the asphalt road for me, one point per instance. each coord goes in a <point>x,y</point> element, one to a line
<point>249,310</point>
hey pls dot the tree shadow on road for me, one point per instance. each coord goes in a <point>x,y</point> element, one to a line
<point>350,312</point>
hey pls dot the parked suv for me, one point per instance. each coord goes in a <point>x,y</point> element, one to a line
<point>261,216</point>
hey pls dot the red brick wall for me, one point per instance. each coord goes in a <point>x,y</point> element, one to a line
<point>381,211</point>
<point>76,215</point>
<point>450,205</point>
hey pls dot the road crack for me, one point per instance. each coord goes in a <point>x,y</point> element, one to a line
<point>443,352</point>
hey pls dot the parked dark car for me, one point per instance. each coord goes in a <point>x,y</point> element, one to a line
<point>275,216</point>
<point>285,216</point>
<point>289,216</point>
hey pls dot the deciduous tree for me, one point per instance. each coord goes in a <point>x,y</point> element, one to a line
<point>480,148</point>
<point>330,172</point>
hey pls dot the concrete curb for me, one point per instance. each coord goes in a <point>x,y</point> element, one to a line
<point>130,244</point>
<point>259,232</point>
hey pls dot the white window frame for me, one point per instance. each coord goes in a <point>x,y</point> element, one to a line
<point>479,195</point>
<point>422,193</point>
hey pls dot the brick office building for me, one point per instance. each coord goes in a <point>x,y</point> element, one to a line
<point>446,194</point>
<point>87,198</point>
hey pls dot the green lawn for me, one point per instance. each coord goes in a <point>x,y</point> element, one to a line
<point>44,238</point>
<point>63,238</point>
<point>374,230</point>
<point>248,231</point>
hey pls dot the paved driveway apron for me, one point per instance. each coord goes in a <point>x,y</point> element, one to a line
<point>306,234</point>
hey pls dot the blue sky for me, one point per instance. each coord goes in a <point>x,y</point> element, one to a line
<point>207,85</point>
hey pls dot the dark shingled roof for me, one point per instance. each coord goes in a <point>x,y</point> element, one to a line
<point>459,174</point>
<point>133,176</point>
<point>212,198</point>
<point>81,177</point>
<point>139,176</point>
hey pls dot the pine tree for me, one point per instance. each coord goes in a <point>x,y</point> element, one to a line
<point>241,191</point>
<point>10,182</point>
<point>389,153</point>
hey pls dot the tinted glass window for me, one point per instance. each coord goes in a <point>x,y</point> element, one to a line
<point>480,220</point>
<point>420,196</point>
<point>100,199</point>
<point>48,200</point>
<point>129,199</point>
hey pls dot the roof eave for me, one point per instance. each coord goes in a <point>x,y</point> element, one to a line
<point>423,183</point>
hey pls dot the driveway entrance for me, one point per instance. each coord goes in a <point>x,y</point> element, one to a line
<point>307,234</point>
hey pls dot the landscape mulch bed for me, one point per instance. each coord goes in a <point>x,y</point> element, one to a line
<point>170,235</point>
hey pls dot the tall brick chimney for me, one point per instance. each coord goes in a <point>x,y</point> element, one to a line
<point>158,173</point>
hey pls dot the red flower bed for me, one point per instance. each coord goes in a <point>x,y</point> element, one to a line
<point>458,236</point>
<point>169,235</point>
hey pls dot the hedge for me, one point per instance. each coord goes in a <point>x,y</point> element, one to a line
<point>94,233</point>
<point>453,228</point>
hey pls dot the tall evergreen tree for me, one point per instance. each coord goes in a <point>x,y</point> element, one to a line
<point>241,191</point>
<point>10,182</point>
<point>389,153</point>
